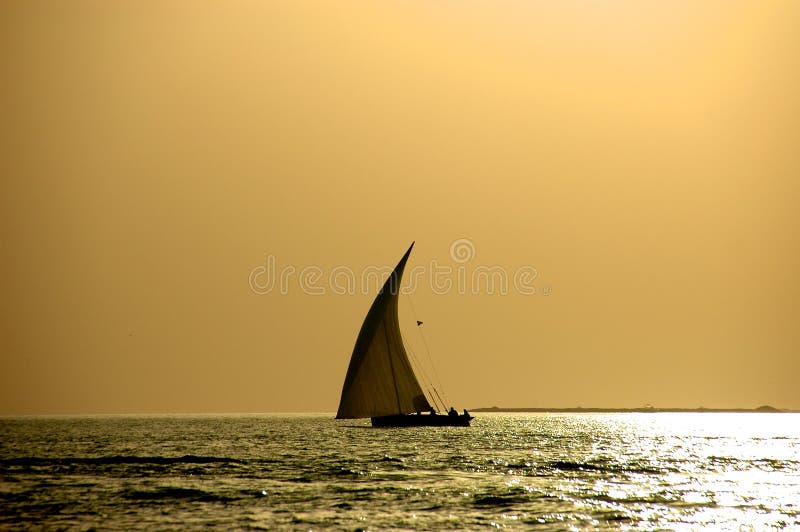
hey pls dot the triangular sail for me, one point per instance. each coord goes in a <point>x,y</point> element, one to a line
<point>380,381</point>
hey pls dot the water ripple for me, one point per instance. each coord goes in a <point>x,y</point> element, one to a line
<point>548,472</point>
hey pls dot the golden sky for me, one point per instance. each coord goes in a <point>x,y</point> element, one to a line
<point>642,156</point>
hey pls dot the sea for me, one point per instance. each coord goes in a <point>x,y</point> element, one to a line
<point>630,471</point>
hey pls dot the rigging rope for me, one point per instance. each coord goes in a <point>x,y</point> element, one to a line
<point>426,380</point>
<point>428,351</point>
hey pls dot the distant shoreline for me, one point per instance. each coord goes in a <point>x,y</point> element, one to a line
<point>581,410</point>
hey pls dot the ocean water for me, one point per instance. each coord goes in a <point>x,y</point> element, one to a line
<point>520,471</point>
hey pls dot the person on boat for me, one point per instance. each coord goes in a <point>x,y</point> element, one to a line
<point>466,414</point>
<point>452,412</point>
<point>433,411</point>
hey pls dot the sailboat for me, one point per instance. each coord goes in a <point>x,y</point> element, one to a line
<point>380,382</point>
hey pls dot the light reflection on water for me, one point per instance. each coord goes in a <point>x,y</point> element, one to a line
<point>548,472</point>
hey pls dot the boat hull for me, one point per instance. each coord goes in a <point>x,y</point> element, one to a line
<point>422,420</point>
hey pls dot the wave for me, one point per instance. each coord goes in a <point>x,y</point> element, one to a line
<point>606,467</point>
<point>117,460</point>
<point>742,464</point>
<point>173,493</point>
<point>499,500</point>
<point>574,466</point>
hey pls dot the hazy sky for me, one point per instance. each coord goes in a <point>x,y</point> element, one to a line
<point>641,156</point>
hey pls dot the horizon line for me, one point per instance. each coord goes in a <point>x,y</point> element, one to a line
<point>480,410</point>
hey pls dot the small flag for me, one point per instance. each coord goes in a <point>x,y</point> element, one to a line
<point>419,323</point>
